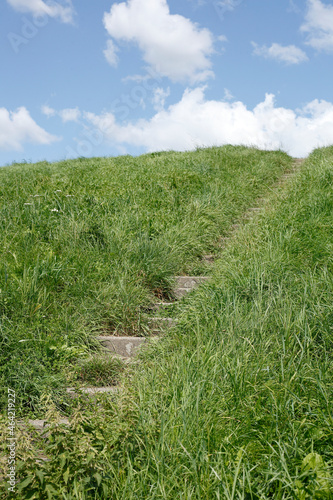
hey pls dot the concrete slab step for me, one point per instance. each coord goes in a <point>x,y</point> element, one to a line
<point>181,292</point>
<point>125,347</point>
<point>190,281</point>
<point>162,305</point>
<point>161,323</point>
<point>91,391</point>
<point>41,425</point>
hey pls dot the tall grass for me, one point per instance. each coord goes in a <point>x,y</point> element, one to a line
<point>87,245</point>
<point>236,402</point>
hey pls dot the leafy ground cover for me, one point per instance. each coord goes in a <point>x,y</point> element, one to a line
<point>236,402</point>
<point>87,244</point>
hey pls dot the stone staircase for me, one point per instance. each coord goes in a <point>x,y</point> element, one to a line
<point>127,348</point>
<point>185,284</point>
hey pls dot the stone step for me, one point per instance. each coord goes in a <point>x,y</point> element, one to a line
<point>181,292</point>
<point>125,347</point>
<point>189,281</point>
<point>157,323</point>
<point>41,425</point>
<point>160,305</point>
<point>91,391</point>
<point>163,304</point>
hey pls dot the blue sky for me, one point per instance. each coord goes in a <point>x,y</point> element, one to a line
<point>102,78</point>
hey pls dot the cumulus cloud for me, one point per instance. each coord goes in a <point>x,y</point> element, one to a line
<point>111,53</point>
<point>228,95</point>
<point>289,54</point>
<point>172,45</point>
<point>64,12</point>
<point>67,115</point>
<point>17,127</point>
<point>70,114</point>
<point>195,121</point>
<point>319,25</point>
<point>159,97</point>
<point>47,111</point>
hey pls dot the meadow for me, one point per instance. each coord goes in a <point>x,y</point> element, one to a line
<point>235,402</point>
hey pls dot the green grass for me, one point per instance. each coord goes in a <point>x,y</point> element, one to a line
<point>98,371</point>
<point>87,245</point>
<point>236,401</point>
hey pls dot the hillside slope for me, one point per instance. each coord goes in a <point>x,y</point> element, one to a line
<point>87,244</point>
<point>236,401</point>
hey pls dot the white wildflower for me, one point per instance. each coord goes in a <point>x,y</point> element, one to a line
<point>54,210</point>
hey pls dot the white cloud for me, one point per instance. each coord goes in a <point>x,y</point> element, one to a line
<point>51,8</point>
<point>46,110</point>
<point>289,54</point>
<point>319,25</point>
<point>172,45</point>
<point>17,127</point>
<point>194,121</point>
<point>67,115</point>
<point>150,75</point>
<point>228,95</point>
<point>159,97</point>
<point>111,53</point>
<point>293,7</point>
<point>70,114</point>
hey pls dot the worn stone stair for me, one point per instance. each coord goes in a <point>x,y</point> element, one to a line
<point>91,391</point>
<point>128,347</point>
<point>157,324</point>
<point>161,305</point>
<point>41,425</point>
<point>125,347</point>
<point>185,284</point>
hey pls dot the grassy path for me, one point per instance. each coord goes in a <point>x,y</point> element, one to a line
<point>87,245</point>
<point>236,401</point>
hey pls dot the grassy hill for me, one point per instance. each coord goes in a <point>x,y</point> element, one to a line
<point>86,244</point>
<point>236,401</point>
